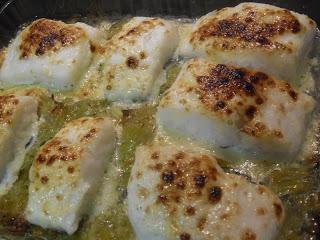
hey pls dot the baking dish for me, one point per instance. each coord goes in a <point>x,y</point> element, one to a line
<point>15,13</point>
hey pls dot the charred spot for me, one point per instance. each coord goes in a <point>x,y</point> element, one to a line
<point>200,180</point>
<point>250,111</point>
<point>44,179</point>
<point>92,48</point>
<point>278,210</point>
<point>229,111</point>
<point>219,105</point>
<point>168,177</point>
<point>190,211</point>
<point>248,88</point>
<point>47,42</point>
<point>70,169</point>
<point>295,26</point>
<point>218,69</point>
<point>248,235</point>
<point>132,62</point>
<point>237,74</point>
<point>293,95</point>
<point>185,236</point>
<point>214,194</point>
<point>46,35</point>
<point>155,155</point>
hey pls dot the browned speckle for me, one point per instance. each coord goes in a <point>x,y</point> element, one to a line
<point>293,95</point>
<point>44,179</point>
<point>168,177</point>
<point>215,194</point>
<point>201,223</point>
<point>162,198</point>
<point>200,180</point>
<point>155,155</point>
<point>179,155</point>
<point>260,211</point>
<point>190,211</point>
<point>248,235</point>
<point>185,236</point>
<point>45,36</point>
<point>142,55</point>
<point>278,210</point>
<point>132,62</point>
<point>250,112</point>
<point>70,169</point>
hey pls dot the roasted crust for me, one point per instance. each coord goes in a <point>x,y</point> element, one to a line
<point>8,104</point>
<point>249,27</point>
<point>222,84</point>
<point>45,36</point>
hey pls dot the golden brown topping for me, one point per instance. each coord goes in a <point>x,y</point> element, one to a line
<point>53,151</point>
<point>45,36</point>
<point>141,28</point>
<point>132,62</point>
<point>7,106</point>
<point>254,26</point>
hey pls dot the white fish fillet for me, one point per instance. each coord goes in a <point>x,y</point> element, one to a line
<point>129,67</point>
<point>259,36</point>
<point>236,109</point>
<point>18,125</point>
<point>177,193</point>
<point>66,172</point>
<point>49,53</point>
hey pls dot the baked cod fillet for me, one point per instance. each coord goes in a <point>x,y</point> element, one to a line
<point>259,36</point>
<point>18,126</point>
<point>48,53</point>
<point>66,172</point>
<point>236,110</point>
<point>175,193</point>
<point>132,61</point>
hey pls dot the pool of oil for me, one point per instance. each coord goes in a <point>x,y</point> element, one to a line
<point>297,182</point>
